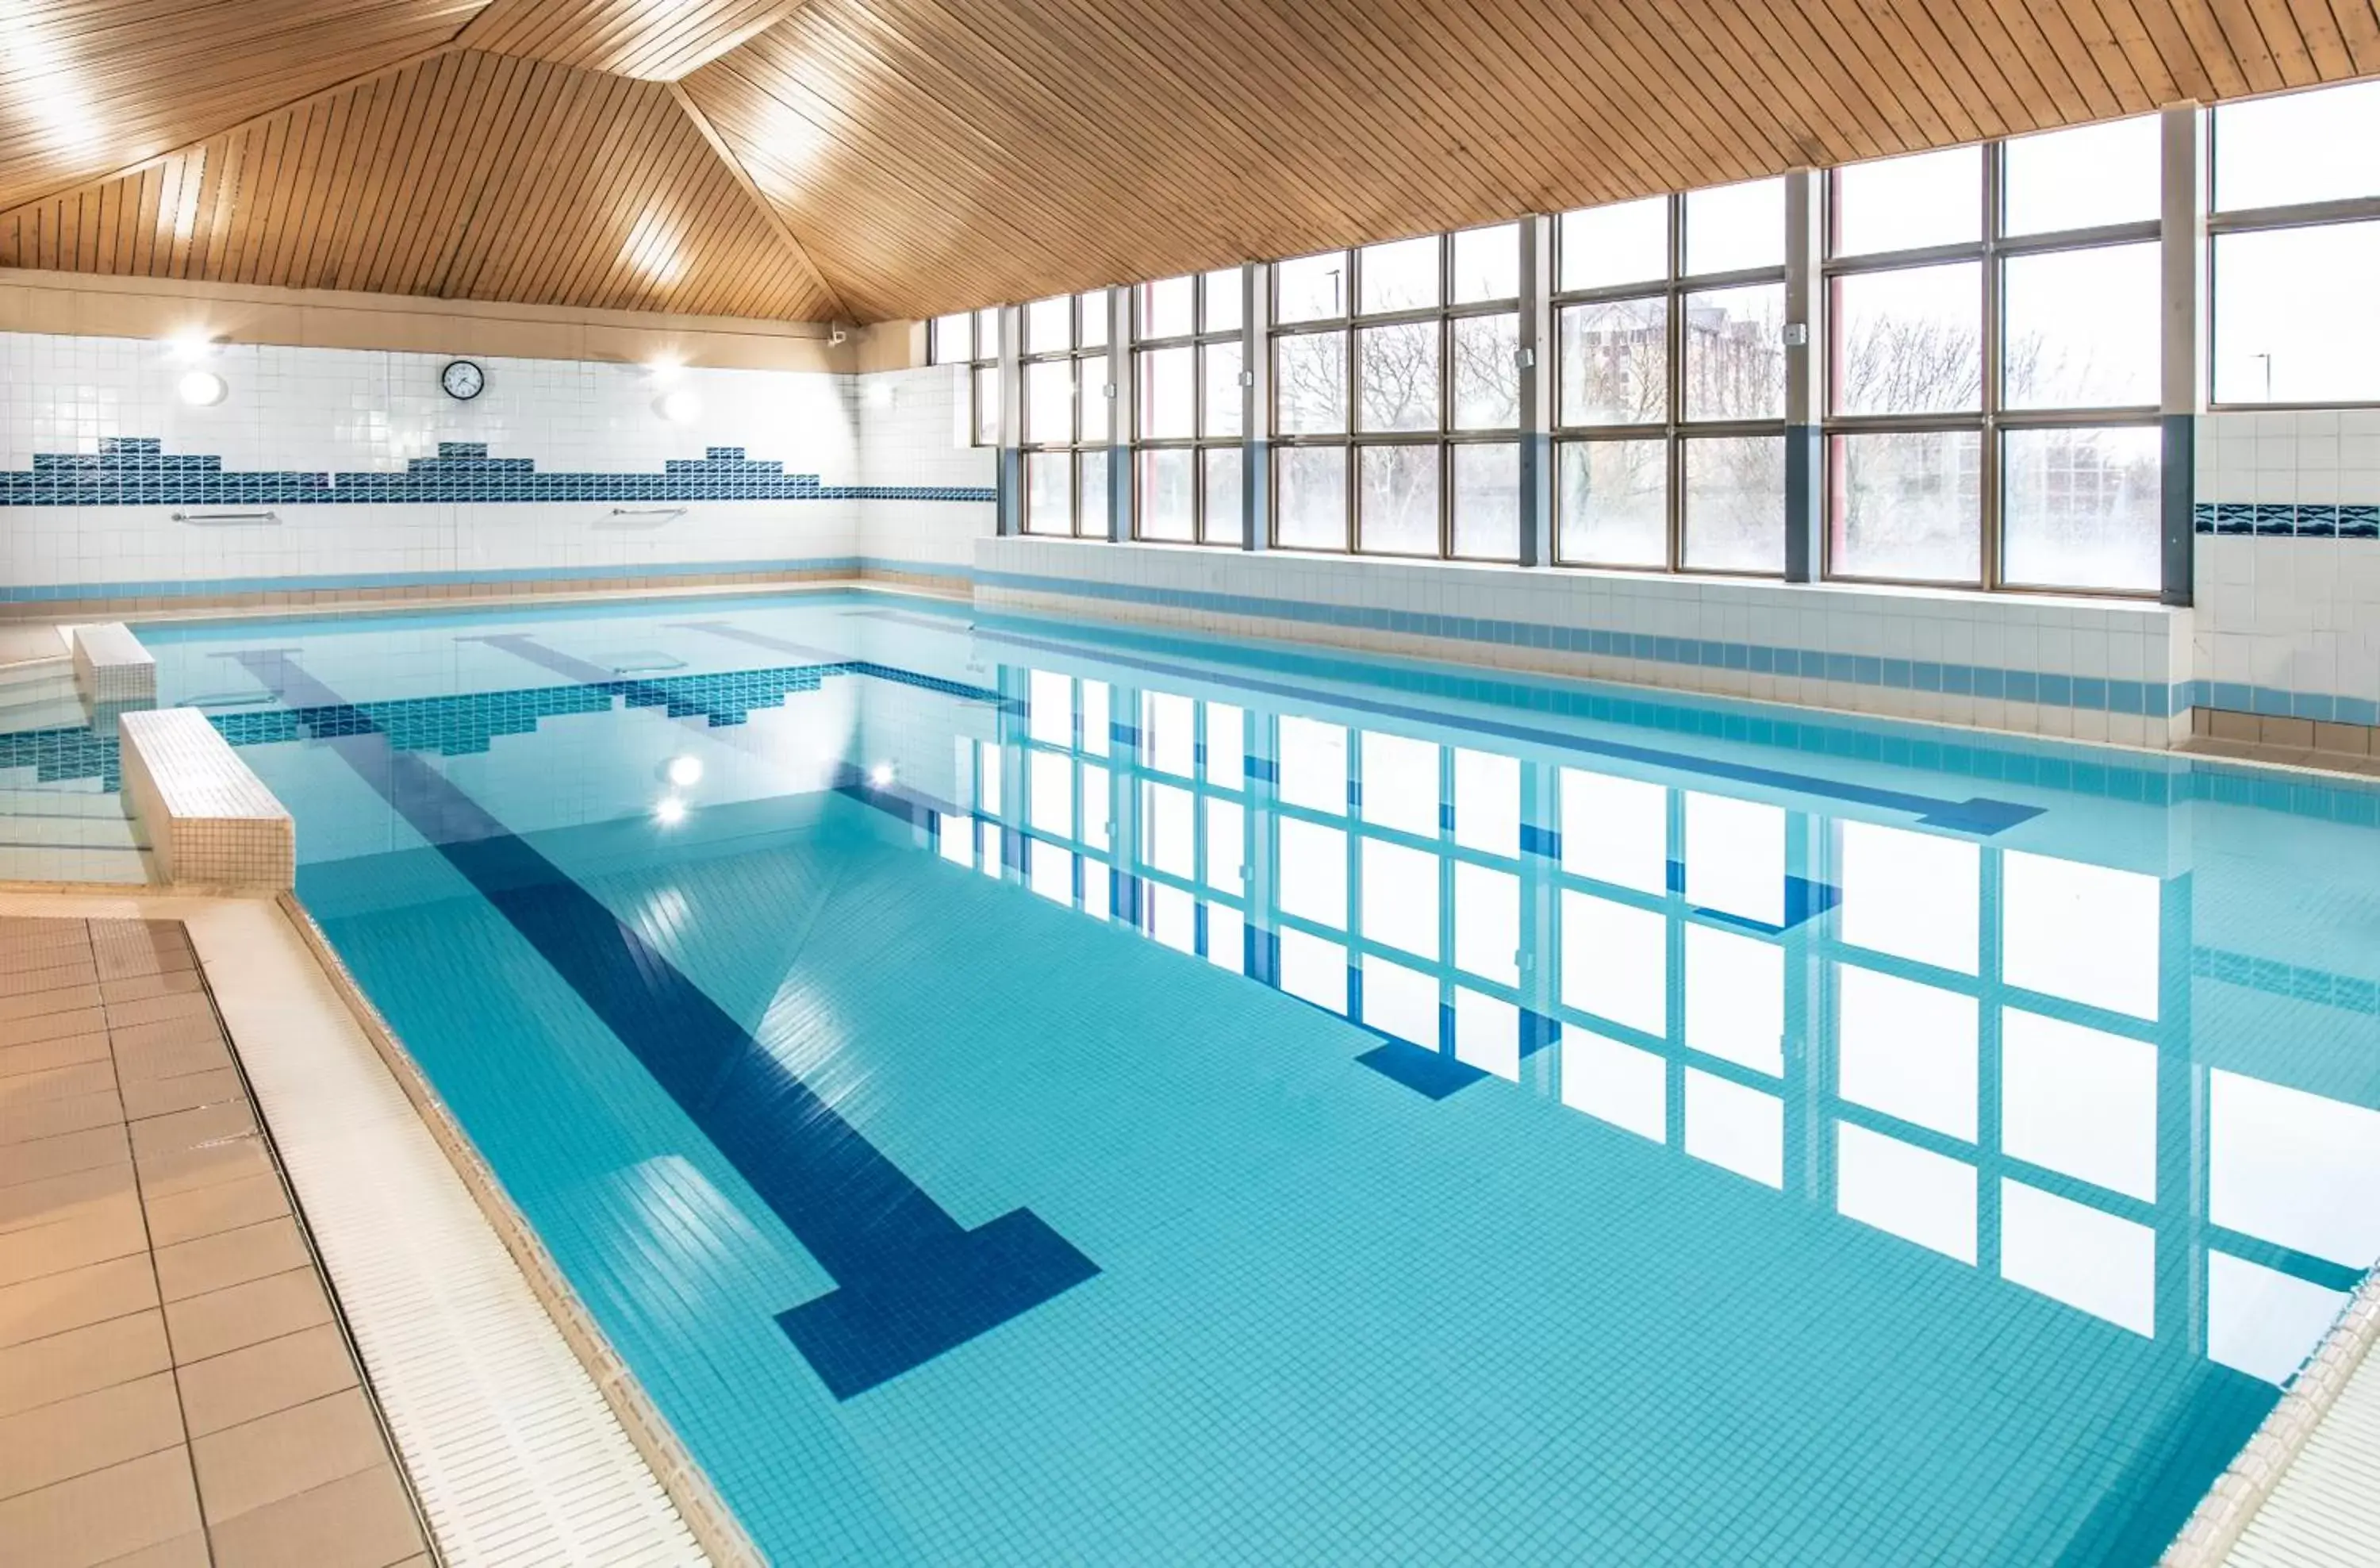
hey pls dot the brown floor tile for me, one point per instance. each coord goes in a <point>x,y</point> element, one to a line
<point>162,1051</point>
<point>160,1097</point>
<point>74,1437</point>
<point>17,1003</point>
<point>56,1303</point>
<point>227,1205</point>
<point>47,1118</point>
<point>156,1135</point>
<point>62,1051</point>
<point>54,1026</point>
<point>68,1152</point>
<point>27,958</point>
<point>262,1310</point>
<point>224,1390</point>
<point>125,964</point>
<point>182,1552</point>
<point>230,1258</point>
<point>54,1198</point>
<point>83,1360</point>
<point>50,976</point>
<point>359,1521</point>
<point>99,1517</point>
<point>176,1008</point>
<point>58,1083</point>
<point>190,1170</point>
<point>131,988</point>
<point>111,1229</point>
<point>292,1451</point>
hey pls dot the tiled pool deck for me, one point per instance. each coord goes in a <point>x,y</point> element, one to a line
<point>173,1381</point>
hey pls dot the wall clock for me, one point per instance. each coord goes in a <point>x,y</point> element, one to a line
<point>462,380</point>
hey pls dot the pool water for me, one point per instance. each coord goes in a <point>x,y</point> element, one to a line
<point>1015,1091</point>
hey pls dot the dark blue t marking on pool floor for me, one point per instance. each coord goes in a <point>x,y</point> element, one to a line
<point>910,1282</point>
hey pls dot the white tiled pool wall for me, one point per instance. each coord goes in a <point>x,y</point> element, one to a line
<point>1876,633</point>
<point>913,431</point>
<point>2289,614</point>
<point>293,410</point>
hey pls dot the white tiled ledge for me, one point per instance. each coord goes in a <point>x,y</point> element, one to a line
<point>109,665</point>
<point>210,818</point>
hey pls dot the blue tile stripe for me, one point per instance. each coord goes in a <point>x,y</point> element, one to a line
<point>137,471</point>
<point>220,588</point>
<point>2287,520</point>
<point>910,1281</point>
<point>2154,699</point>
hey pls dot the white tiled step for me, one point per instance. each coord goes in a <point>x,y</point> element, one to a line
<point>31,830</point>
<point>73,863</point>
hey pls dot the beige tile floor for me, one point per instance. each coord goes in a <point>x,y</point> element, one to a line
<point>174,1385</point>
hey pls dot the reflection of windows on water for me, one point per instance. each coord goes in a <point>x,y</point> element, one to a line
<point>1978,1051</point>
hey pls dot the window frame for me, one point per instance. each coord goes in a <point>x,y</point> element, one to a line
<point>1990,419</point>
<point>1673,429</point>
<point>1082,385</point>
<point>1200,441</point>
<point>1443,439</point>
<point>2220,223</point>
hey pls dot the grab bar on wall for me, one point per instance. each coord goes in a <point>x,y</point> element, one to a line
<point>207,519</point>
<point>658,513</point>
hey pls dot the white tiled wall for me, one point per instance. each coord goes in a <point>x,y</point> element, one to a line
<point>2106,640</point>
<point>346,411</point>
<point>912,432</point>
<point>2285,615</point>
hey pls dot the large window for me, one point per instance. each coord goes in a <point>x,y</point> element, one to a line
<point>972,338</point>
<point>1188,353</point>
<point>1396,397</point>
<point>1671,369</point>
<point>1992,364</point>
<point>2296,247</point>
<point>1066,415</point>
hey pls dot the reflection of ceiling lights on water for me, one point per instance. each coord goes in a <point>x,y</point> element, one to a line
<point>881,775</point>
<point>670,812</point>
<point>685,771</point>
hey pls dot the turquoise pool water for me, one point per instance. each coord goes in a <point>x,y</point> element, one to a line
<point>1018,1093</point>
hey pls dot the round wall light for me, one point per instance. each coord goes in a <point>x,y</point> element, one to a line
<point>201,389</point>
<point>679,407</point>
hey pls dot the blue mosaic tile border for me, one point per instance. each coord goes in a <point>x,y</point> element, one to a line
<point>225,588</point>
<point>137,471</point>
<point>2154,699</point>
<point>2285,519</point>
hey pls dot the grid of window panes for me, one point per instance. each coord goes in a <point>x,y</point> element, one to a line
<point>1067,408</point>
<point>1396,397</point>
<point>1191,420</point>
<point>2296,248</point>
<point>972,338</point>
<point>1670,366</point>
<point>1993,363</point>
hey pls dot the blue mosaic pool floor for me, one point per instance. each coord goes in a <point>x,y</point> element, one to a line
<point>1970,1205</point>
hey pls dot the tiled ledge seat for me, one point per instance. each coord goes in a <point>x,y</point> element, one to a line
<point>110,664</point>
<point>211,821</point>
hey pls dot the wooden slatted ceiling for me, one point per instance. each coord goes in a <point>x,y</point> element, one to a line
<point>935,154</point>
<point>472,175</point>
<point>657,40</point>
<point>929,155</point>
<point>92,85</point>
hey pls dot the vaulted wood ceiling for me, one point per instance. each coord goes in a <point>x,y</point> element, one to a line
<point>886,158</point>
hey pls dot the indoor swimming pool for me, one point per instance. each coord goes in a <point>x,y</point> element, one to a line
<point>1019,1091</point>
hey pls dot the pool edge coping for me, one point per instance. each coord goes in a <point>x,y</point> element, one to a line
<point>681,1476</point>
<point>2223,1515</point>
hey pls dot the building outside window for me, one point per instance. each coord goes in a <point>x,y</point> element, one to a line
<point>1670,407</point>
<point>1396,397</point>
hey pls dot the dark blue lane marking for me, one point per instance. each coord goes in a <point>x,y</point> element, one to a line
<point>1426,1072</point>
<point>1979,815</point>
<point>910,1281</point>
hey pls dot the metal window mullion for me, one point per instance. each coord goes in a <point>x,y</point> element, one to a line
<point>2185,338</point>
<point>2303,215</point>
<point>1673,409</point>
<point>1445,398</point>
<point>1354,377</point>
<point>1993,345</point>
